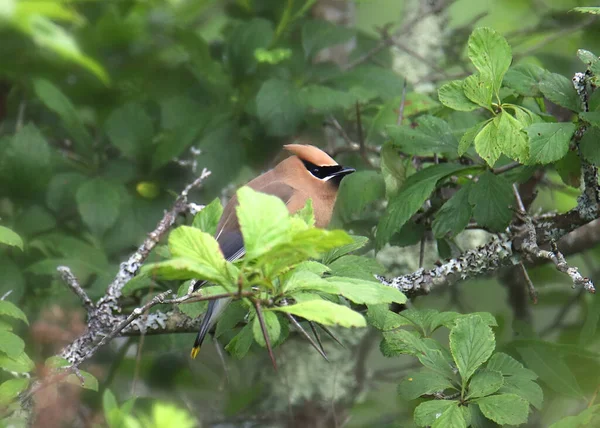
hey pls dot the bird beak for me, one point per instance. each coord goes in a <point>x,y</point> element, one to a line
<point>343,172</point>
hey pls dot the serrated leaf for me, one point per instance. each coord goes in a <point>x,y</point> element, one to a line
<point>243,42</point>
<point>98,204</point>
<point>431,134</point>
<point>9,309</point>
<point>452,95</point>
<point>10,390</point>
<point>413,194</point>
<point>583,419</point>
<point>428,412</point>
<point>471,343</point>
<point>380,317</point>
<point>484,383</point>
<point>394,169</point>
<point>272,325</point>
<point>201,248</point>
<point>360,267</point>
<point>560,90</point>
<point>512,139</point>
<point>491,197</point>
<point>130,129</point>
<point>279,107</point>
<point>9,237</point>
<point>452,417</point>
<point>454,215</point>
<point>490,54</point>
<point>509,409</point>
<point>569,168</point>
<point>488,142</point>
<point>194,309</point>
<point>56,101</point>
<point>508,366</point>
<point>524,388</point>
<point>241,342</point>
<point>423,382</point>
<point>552,371</point>
<point>468,137</point>
<point>479,90</point>
<point>264,221</point>
<point>549,141</point>
<point>357,193</point>
<point>592,10</point>
<point>525,79</point>
<point>326,313</point>
<point>317,34</point>
<point>11,344</point>
<point>357,243</point>
<point>366,292</point>
<point>207,219</point>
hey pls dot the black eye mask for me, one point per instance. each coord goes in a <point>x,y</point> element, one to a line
<point>322,172</point>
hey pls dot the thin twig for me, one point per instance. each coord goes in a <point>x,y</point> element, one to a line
<point>299,327</point>
<point>505,168</point>
<point>69,279</point>
<point>533,295</point>
<point>263,327</point>
<point>361,138</point>
<point>402,104</point>
<point>317,335</point>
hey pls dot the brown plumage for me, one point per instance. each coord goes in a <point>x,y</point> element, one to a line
<point>309,173</point>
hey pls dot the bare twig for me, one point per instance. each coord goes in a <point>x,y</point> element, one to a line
<point>533,295</point>
<point>265,332</point>
<point>402,104</point>
<point>505,168</point>
<point>300,329</point>
<point>69,279</point>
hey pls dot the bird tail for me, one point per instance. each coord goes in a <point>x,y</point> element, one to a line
<point>215,308</point>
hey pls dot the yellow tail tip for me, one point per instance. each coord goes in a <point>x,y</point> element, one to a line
<point>194,352</point>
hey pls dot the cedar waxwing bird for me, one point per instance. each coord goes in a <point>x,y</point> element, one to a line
<point>309,173</point>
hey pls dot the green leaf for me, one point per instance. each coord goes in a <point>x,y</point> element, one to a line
<point>452,95</point>
<point>590,324</point>
<point>583,419</point>
<point>19,364</point>
<point>243,42</point>
<point>89,381</point>
<point>509,409</point>
<point>525,79</point>
<point>471,343</point>
<point>56,362</point>
<point>394,169</point>
<point>592,10</point>
<point>326,100</point>
<point>366,292</point>
<point>423,382</point>
<point>317,34</point>
<point>181,268</point>
<point>479,89</point>
<point>301,280</point>
<point>11,344</point>
<point>454,215</point>
<point>549,141</point>
<point>490,54</point>
<point>130,129</point>
<point>569,168</point>
<point>380,317</point>
<point>491,197</point>
<point>9,237</point>
<point>591,117</point>
<point>431,134</point>
<point>194,309</point>
<point>9,309</point>
<point>411,197</point>
<point>360,267</point>
<point>452,417</point>
<point>273,328</point>
<point>560,90</point>
<point>489,142</point>
<point>357,243</point>
<point>207,219</point>
<point>25,164</point>
<point>552,370</point>
<point>56,101</point>
<point>232,316</point>
<point>11,389</point>
<point>306,214</point>
<point>241,342</point>
<point>484,383</point>
<point>524,388</point>
<point>512,139</point>
<point>508,366</point>
<point>326,313</point>
<point>273,56</point>
<point>357,193</point>
<point>279,107</point>
<point>264,221</point>
<point>468,137</point>
<point>203,249</point>
<point>428,412</point>
<point>98,204</point>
